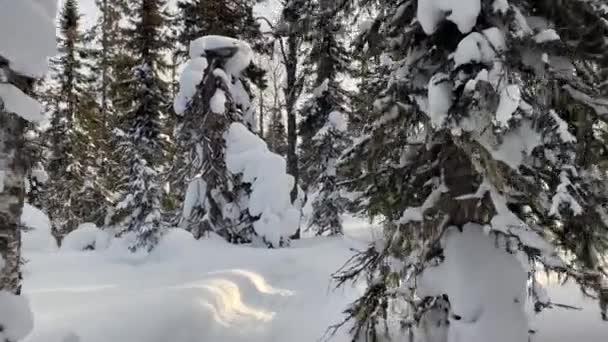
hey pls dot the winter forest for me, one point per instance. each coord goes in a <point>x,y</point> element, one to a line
<point>303,170</point>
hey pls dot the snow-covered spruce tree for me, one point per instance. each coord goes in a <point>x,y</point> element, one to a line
<point>231,173</point>
<point>26,41</point>
<point>139,137</point>
<point>323,122</point>
<point>69,137</point>
<point>475,163</point>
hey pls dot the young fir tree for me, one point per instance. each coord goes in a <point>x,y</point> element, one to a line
<point>111,65</point>
<point>475,162</point>
<point>231,171</point>
<point>323,122</point>
<point>71,198</point>
<point>144,101</point>
<point>210,99</point>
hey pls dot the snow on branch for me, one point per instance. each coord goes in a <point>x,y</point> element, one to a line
<point>248,155</point>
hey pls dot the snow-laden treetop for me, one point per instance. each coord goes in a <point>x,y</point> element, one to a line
<point>237,55</point>
<point>27,34</point>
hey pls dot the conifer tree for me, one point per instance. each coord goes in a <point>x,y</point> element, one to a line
<point>144,101</point>
<point>208,102</point>
<point>473,159</point>
<point>323,122</point>
<point>70,139</point>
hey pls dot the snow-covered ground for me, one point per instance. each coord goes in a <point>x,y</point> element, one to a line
<point>187,291</point>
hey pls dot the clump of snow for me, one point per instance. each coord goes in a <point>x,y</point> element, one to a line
<point>547,35</point>
<point>236,63</point>
<point>501,6</point>
<point>321,89</point>
<point>246,153</point>
<point>196,192</point>
<point>485,284</point>
<point>15,101</point>
<point>27,34</point>
<point>510,98</point>
<point>37,236</point>
<point>461,12</point>
<point>562,128</point>
<point>16,318</point>
<point>174,244</point>
<point>440,98</point>
<point>516,144</point>
<point>338,121</point>
<point>190,78</point>
<point>480,47</point>
<point>217,103</point>
<point>562,196</point>
<point>86,237</point>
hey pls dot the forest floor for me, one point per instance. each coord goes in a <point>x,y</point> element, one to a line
<point>193,291</point>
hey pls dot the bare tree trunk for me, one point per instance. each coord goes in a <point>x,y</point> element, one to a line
<point>261,114</point>
<point>104,66</point>
<point>291,96</point>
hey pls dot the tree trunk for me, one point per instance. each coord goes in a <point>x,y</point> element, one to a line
<point>291,95</point>
<point>12,194</point>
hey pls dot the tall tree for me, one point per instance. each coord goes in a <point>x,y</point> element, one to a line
<point>23,58</point>
<point>74,111</point>
<point>473,159</point>
<point>208,104</point>
<point>323,122</point>
<point>145,103</point>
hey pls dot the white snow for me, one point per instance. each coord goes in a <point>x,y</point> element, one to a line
<point>510,98</point>
<point>217,104</point>
<point>15,317</point>
<point>236,63</point>
<point>562,128</point>
<point>563,196</point>
<point>479,47</point>
<point>190,78</point>
<point>208,290</point>
<point>196,192</point>
<point>440,98</point>
<point>501,6</point>
<point>485,284</point>
<point>461,12</point>
<point>270,199</point>
<point>338,121</point>
<point>547,35</point>
<point>37,236</point>
<point>15,101</point>
<point>516,144</point>
<point>27,34</point>
<point>86,237</point>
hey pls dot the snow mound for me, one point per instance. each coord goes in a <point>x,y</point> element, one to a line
<point>270,199</point>
<point>86,237</point>
<point>174,244</point>
<point>27,34</point>
<point>486,287</point>
<point>16,317</point>
<point>38,236</point>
